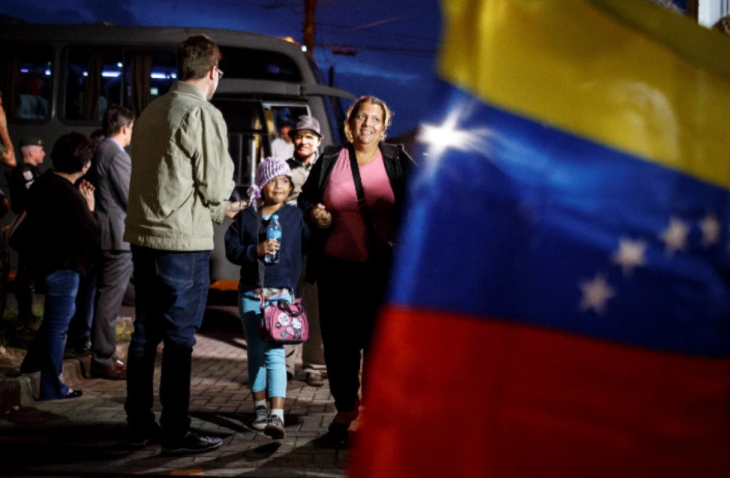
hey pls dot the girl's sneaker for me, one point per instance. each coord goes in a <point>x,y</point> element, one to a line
<point>275,428</point>
<point>262,416</point>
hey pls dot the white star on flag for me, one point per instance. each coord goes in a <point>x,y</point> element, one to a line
<point>675,235</point>
<point>596,293</point>
<point>630,254</point>
<point>710,226</point>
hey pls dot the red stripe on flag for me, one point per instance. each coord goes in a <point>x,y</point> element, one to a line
<point>452,396</point>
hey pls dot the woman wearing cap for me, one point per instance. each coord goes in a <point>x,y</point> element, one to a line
<point>351,256</point>
<point>246,245</point>
<point>64,232</point>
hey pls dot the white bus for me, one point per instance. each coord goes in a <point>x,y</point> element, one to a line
<point>60,78</point>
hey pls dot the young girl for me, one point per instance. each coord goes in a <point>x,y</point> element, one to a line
<point>266,363</point>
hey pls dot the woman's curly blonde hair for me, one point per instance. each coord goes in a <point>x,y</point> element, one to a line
<point>355,109</point>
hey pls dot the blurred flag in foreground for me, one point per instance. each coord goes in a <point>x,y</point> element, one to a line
<point>561,299</point>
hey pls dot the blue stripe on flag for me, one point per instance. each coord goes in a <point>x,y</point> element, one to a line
<point>516,220</point>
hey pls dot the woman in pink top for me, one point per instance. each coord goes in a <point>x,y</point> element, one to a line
<point>352,244</point>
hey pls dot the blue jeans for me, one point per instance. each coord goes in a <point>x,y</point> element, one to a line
<point>266,362</point>
<point>171,292</point>
<point>45,353</point>
<point>79,329</point>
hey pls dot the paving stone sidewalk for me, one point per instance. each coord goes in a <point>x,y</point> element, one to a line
<point>83,437</point>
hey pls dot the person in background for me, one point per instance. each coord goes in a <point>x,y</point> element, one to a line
<point>110,175</point>
<point>351,272</point>
<point>246,245</point>
<point>307,138</point>
<point>282,147</point>
<point>723,25</point>
<point>20,179</point>
<point>78,338</point>
<point>182,179</point>
<point>64,230</point>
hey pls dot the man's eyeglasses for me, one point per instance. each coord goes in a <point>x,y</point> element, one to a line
<point>220,72</point>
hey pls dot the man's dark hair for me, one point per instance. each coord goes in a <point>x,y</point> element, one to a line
<point>97,136</point>
<point>116,117</point>
<point>71,152</point>
<point>195,56</point>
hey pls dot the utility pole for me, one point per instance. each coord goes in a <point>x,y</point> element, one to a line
<point>308,30</point>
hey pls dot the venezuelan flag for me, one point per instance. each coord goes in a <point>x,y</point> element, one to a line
<point>561,300</point>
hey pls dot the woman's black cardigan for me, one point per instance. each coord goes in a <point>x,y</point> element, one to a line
<point>398,166</point>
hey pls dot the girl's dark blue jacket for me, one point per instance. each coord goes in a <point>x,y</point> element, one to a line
<point>242,241</point>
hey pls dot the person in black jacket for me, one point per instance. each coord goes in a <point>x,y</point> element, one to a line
<point>352,244</point>
<point>20,179</point>
<point>64,231</point>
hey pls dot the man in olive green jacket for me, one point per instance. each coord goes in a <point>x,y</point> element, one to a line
<point>181,181</point>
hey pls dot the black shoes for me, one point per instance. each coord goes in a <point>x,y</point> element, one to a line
<point>115,372</point>
<point>72,394</point>
<point>190,444</point>
<point>337,436</point>
<point>77,350</point>
<point>141,437</point>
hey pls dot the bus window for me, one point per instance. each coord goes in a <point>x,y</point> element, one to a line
<point>93,83</point>
<point>148,76</point>
<point>247,64</point>
<point>26,81</point>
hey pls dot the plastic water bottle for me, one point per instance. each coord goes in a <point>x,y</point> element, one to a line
<point>273,231</point>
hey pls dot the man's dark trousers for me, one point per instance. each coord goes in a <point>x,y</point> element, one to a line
<point>115,270</point>
<point>171,293</point>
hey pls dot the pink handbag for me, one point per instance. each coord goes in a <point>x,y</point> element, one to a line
<point>284,322</point>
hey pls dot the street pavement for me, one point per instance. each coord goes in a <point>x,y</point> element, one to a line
<point>84,436</point>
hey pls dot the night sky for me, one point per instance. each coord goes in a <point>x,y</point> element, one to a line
<point>395,41</point>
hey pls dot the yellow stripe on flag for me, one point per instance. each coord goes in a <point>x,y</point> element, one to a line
<point>634,77</point>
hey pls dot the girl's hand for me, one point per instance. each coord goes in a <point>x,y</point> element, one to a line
<point>321,216</point>
<point>87,191</point>
<point>267,247</point>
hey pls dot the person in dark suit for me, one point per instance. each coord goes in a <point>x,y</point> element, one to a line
<point>110,174</point>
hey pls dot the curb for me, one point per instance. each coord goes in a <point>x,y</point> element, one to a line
<point>22,390</point>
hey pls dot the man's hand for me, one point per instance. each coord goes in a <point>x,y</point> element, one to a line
<point>234,208</point>
<point>87,191</point>
<point>267,247</point>
<point>321,216</point>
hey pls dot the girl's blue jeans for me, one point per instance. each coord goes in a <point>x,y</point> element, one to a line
<point>266,361</point>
